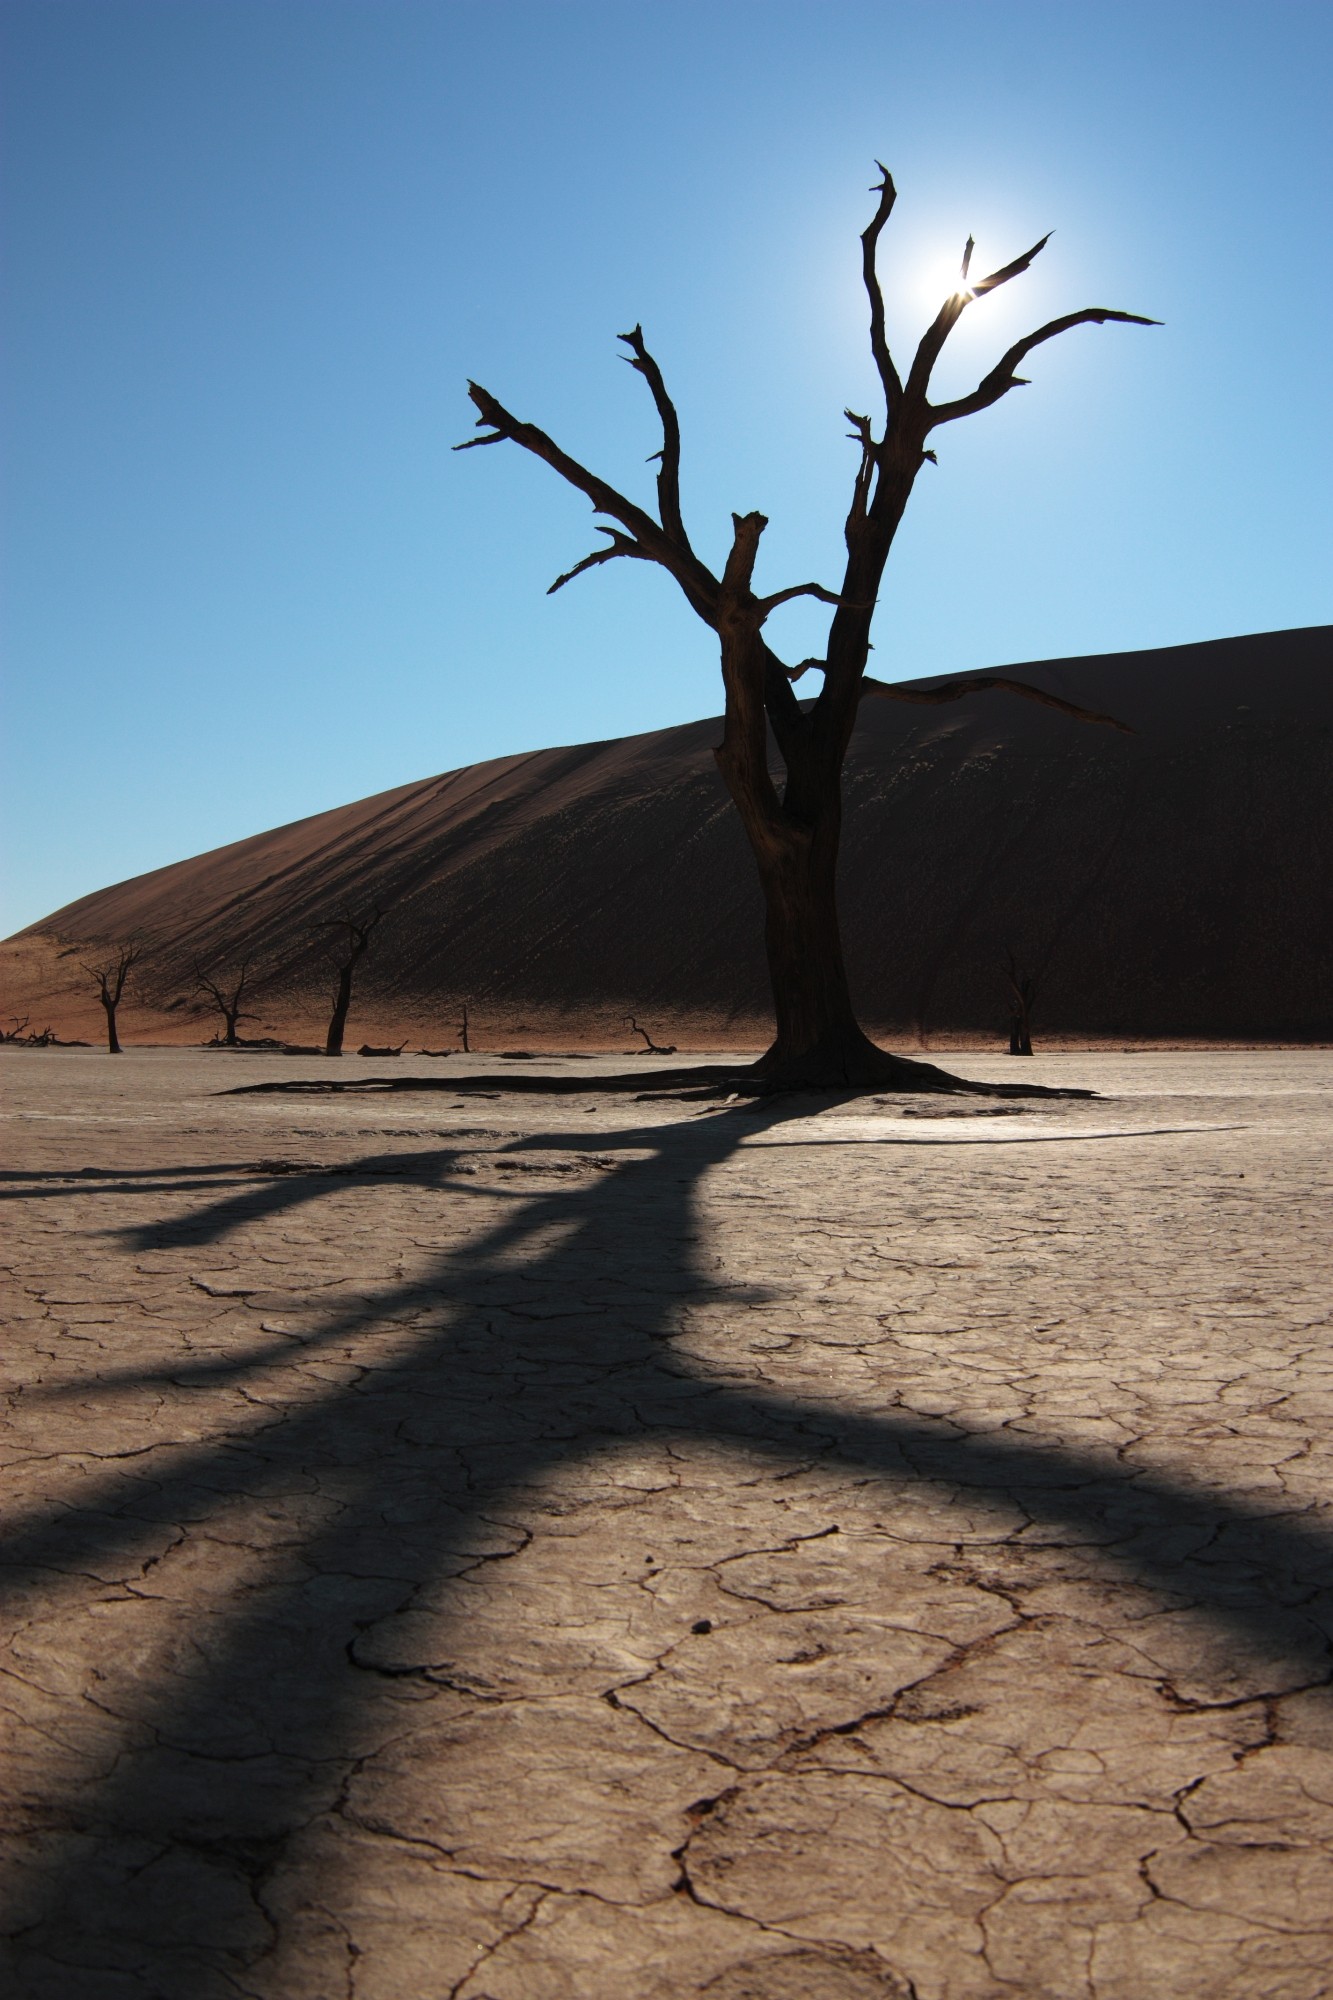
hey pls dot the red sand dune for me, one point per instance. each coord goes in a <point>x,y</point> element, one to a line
<point>1175,883</point>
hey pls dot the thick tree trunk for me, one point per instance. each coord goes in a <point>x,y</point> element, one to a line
<point>795,839</point>
<point>112,1038</point>
<point>819,1041</point>
<point>816,1025</point>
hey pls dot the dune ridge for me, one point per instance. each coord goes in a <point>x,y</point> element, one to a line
<point>1172,884</point>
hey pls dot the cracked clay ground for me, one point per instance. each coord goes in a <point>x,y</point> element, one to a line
<point>558,1547</point>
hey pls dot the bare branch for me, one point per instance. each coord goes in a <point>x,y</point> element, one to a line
<point>977,684</point>
<point>668,478</point>
<point>1008,271</point>
<point>111,977</point>
<point>870,235</point>
<point>356,929</point>
<point>739,569</point>
<point>804,666</point>
<point>604,498</point>
<point>129,955</point>
<point>1002,378</point>
<point>204,984</point>
<point>932,342</point>
<point>621,545</point>
<point>698,583</point>
<point>767,604</point>
<point>786,718</point>
<point>862,434</point>
<point>949,314</point>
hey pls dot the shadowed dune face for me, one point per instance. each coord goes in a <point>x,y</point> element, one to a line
<point>1175,882</point>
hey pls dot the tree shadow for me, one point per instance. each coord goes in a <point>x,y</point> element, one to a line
<point>546,1340</point>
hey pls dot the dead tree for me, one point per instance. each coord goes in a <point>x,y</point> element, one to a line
<point>17,1031</point>
<point>355,941</point>
<point>226,1000</point>
<point>110,980</point>
<point>1022,995</point>
<point>794,831</point>
<point>650,1048</point>
<point>462,1029</point>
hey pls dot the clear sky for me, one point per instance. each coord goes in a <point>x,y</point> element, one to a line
<point>253,248</point>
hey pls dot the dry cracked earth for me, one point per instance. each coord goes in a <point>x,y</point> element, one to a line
<point>504,1545</point>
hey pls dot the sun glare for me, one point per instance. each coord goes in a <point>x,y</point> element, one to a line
<point>942,278</point>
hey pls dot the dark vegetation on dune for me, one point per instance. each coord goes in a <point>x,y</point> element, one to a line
<point>1174,882</point>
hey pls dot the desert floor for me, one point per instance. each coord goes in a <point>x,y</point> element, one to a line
<point>479,1542</point>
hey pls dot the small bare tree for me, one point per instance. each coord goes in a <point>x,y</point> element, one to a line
<point>1022,995</point>
<point>353,936</point>
<point>794,831</point>
<point>227,999</point>
<point>650,1047</point>
<point>110,979</point>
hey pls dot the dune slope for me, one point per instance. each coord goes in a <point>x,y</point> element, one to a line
<point>1176,882</point>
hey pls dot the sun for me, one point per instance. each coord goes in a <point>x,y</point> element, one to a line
<point>943,277</point>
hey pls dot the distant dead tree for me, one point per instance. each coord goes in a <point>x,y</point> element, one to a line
<point>355,939</point>
<point>794,832</point>
<point>17,1031</point>
<point>227,999</point>
<point>1022,995</point>
<point>651,1047</point>
<point>110,979</point>
<point>467,1046</point>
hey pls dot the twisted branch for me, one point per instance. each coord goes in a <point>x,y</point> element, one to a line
<point>767,604</point>
<point>668,477</point>
<point>1002,378</point>
<point>949,314</point>
<point>127,956</point>
<point>977,684</point>
<point>356,931</point>
<point>879,342</point>
<point>621,545</point>
<point>653,541</point>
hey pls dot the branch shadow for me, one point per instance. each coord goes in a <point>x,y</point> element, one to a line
<point>549,1340</point>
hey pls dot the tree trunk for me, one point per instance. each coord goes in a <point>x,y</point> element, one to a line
<point>334,1045</point>
<point>795,840</point>
<point>112,1038</point>
<point>229,1039</point>
<point>819,1041</point>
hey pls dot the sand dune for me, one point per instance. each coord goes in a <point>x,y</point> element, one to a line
<point>1171,884</point>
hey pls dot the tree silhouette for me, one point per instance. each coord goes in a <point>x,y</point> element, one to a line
<point>355,939</point>
<point>1022,995</point>
<point>794,832</point>
<point>650,1047</point>
<point>227,1000</point>
<point>110,979</point>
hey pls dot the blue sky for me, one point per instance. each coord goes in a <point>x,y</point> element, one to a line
<point>253,248</point>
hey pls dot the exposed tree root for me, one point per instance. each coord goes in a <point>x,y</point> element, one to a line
<point>873,1070</point>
